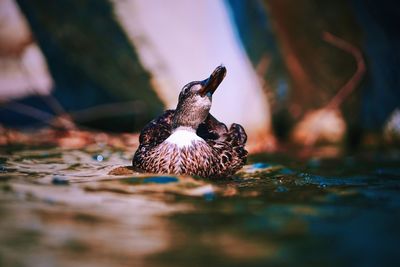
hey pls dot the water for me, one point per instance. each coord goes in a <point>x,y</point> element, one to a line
<point>63,208</point>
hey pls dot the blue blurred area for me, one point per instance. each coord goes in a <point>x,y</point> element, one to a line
<point>381,42</point>
<point>256,33</point>
<point>91,62</point>
<point>11,118</point>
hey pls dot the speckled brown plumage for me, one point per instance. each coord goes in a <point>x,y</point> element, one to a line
<point>221,154</point>
<point>189,140</point>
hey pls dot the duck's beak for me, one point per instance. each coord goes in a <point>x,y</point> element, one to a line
<point>211,84</point>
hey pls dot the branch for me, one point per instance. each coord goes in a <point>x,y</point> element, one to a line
<point>352,83</point>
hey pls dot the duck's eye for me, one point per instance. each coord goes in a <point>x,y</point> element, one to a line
<point>185,89</point>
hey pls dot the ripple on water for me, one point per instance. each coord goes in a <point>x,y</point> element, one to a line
<point>267,213</point>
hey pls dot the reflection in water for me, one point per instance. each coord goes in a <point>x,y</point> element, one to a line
<point>69,208</point>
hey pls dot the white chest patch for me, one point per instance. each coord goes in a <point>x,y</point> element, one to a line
<point>182,138</point>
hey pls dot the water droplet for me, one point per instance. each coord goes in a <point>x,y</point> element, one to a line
<point>322,185</point>
<point>99,157</point>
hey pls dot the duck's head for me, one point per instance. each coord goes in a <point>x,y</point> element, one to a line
<point>195,100</point>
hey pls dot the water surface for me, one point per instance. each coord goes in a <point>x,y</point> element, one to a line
<point>63,208</point>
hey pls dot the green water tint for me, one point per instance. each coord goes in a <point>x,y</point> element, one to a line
<point>63,208</point>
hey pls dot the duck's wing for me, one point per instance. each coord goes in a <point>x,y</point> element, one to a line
<point>228,145</point>
<point>156,131</point>
<point>212,129</point>
<point>231,150</point>
<point>236,135</point>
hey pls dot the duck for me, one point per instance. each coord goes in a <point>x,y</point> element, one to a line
<point>189,140</point>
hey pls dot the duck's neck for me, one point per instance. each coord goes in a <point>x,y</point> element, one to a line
<point>186,121</point>
<point>184,128</point>
<point>189,116</point>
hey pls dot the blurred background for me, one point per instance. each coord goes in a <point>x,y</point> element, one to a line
<point>308,72</point>
<point>315,82</point>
